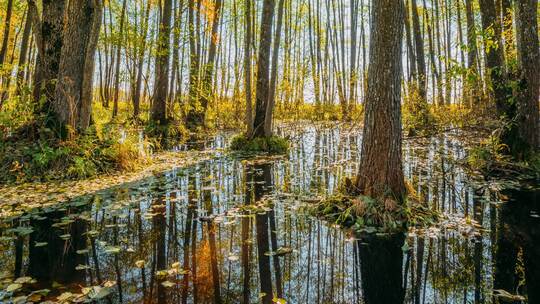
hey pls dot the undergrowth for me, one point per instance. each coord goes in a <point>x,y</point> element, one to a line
<point>41,157</point>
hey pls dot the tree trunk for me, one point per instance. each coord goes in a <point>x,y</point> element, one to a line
<point>194,66</point>
<point>273,78</point>
<point>49,37</point>
<point>263,67</point>
<point>198,114</point>
<point>24,50</point>
<point>78,47</point>
<point>419,46</point>
<point>118,61</point>
<point>529,64</point>
<point>142,51</point>
<point>381,173</point>
<point>159,105</point>
<point>472,61</point>
<point>7,28</point>
<point>247,68</point>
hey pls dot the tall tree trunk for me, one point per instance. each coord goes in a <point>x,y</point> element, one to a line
<point>87,95</point>
<point>7,29</point>
<point>24,50</point>
<point>381,172</point>
<point>194,66</point>
<point>118,61</point>
<point>140,64</point>
<point>263,67</point>
<point>49,37</point>
<point>247,67</point>
<point>472,61</point>
<point>161,88</point>
<point>198,114</point>
<point>495,68</point>
<point>275,67</point>
<point>529,64</point>
<point>78,47</point>
<point>419,46</point>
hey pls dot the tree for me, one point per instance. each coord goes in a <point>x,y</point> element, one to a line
<point>529,63</point>
<point>49,40</point>
<point>161,87</point>
<point>118,55</point>
<point>381,173</point>
<point>263,70</point>
<point>79,44</point>
<point>273,78</point>
<point>247,67</point>
<point>419,46</point>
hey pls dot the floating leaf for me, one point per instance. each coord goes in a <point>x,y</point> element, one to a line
<point>13,287</point>
<point>40,244</point>
<point>82,267</point>
<point>24,280</point>
<point>279,300</point>
<point>139,263</point>
<point>168,284</point>
<point>112,249</point>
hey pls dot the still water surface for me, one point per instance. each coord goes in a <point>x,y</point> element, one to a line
<point>233,230</point>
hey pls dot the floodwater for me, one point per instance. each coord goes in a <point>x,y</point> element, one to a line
<point>234,230</point>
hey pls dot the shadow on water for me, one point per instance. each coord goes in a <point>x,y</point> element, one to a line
<point>232,231</point>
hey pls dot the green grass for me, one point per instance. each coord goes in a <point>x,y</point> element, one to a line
<point>271,145</point>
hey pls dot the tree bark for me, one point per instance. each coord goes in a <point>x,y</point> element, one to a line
<point>24,50</point>
<point>247,67</point>
<point>273,78</point>
<point>419,46</point>
<point>263,67</point>
<point>381,173</point>
<point>529,64</point>
<point>118,61</point>
<point>7,29</point>
<point>49,35</point>
<point>159,105</point>
<point>77,55</point>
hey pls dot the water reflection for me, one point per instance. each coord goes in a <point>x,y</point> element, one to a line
<point>229,231</point>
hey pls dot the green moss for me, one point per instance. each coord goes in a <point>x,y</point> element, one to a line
<point>272,145</point>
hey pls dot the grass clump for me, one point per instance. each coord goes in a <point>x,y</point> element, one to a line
<point>271,145</point>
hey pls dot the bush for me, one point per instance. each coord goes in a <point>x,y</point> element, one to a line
<point>272,144</point>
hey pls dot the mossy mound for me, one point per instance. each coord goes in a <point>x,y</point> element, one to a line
<point>366,214</point>
<point>271,145</point>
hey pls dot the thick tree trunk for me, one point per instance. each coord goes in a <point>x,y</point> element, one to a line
<point>159,106</point>
<point>78,47</point>
<point>49,36</point>
<point>87,95</point>
<point>529,64</point>
<point>381,173</point>
<point>263,67</point>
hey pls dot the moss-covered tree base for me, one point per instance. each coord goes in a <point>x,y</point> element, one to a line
<point>271,145</point>
<point>365,214</point>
